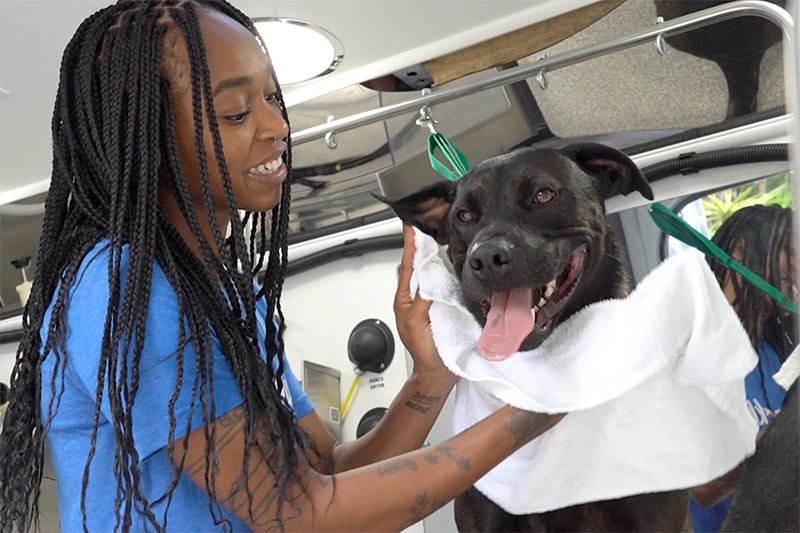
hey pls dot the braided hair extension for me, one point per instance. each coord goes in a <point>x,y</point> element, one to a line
<point>757,235</point>
<point>114,142</point>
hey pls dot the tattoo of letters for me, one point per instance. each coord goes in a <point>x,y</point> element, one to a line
<point>422,403</point>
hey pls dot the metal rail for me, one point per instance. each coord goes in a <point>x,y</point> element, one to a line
<point>742,8</point>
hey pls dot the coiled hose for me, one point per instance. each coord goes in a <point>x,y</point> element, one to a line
<point>693,162</point>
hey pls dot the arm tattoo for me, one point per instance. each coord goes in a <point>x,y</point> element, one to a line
<point>526,425</point>
<point>422,507</point>
<point>422,403</point>
<point>398,464</point>
<point>445,451</point>
<point>229,424</point>
<point>231,418</point>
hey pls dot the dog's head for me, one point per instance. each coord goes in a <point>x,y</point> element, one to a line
<point>525,232</point>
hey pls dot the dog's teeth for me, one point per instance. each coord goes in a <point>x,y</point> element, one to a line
<point>552,283</point>
<point>548,292</point>
<point>542,302</point>
<point>533,314</point>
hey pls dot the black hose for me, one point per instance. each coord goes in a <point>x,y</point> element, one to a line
<point>702,131</point>
<point>693,162</point>
<point>327,169</point>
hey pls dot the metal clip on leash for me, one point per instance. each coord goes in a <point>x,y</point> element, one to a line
<point>673,225</point>
<point>458,163</point>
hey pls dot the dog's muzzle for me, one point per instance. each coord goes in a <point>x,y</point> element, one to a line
<point>491,259</point>
<point>514,314</point>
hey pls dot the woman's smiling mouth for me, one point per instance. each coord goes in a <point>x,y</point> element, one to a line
<point>271,172</point>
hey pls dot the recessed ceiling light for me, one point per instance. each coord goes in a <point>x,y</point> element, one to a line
<point>299,51</point>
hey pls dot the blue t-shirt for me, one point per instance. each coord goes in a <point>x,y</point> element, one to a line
<point>70,431</point>
<point>764,401</point>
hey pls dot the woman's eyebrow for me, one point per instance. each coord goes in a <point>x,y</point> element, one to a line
<point>231,83</point>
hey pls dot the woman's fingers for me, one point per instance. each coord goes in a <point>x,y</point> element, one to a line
<point>403,295</point>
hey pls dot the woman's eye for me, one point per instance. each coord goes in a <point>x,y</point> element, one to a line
<point>238,118</point>
<point>543,196</point>
<point>465,216</point>
<point>271,98</point>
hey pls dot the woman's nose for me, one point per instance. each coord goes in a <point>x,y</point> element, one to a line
<point>271,123</point>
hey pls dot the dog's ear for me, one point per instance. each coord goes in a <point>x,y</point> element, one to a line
<point>426,208</point>
<point>614,171</point>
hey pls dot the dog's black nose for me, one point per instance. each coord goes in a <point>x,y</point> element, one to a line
<point>491,259</point>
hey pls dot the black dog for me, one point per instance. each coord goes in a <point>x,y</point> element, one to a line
<point>768,492</point>
<point>527,235</point>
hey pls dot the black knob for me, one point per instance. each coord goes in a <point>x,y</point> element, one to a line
<point>369,420</point>
<point>371,345</point>
<point>21,262</point>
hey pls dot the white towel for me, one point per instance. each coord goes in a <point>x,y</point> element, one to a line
<point>654,384</point>
<point>789,371</point>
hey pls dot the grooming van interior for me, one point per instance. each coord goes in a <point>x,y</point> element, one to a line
<point>702,96</point>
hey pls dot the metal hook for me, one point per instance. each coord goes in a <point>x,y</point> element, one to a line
<point>330,137</point>
<point>541,76</point>
<point>425,119</point>
<point>660,45</point>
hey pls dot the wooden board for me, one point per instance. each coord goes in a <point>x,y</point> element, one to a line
<point>517,44</point>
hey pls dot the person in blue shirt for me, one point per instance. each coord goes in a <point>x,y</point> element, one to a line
<point>150,362</point>
<point>759,237</point>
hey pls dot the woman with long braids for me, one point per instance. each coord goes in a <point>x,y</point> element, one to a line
<point>760,237</point>
<point>150,362</point>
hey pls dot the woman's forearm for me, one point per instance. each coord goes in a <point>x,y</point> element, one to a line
<point>419,482</point>
<point>414,411</point>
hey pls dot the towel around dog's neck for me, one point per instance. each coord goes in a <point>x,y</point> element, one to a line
<point>654,384</point>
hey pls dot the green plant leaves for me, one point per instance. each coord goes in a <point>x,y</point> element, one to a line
<point>719,206</point>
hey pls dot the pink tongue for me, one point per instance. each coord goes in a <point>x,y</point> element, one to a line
<point>508,322</point>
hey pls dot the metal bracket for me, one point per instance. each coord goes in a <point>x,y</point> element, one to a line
<point>425,119</point>
<point>415,76</point>
<point>330,137</point>
<point>541,76</point>
<point>660,44</point>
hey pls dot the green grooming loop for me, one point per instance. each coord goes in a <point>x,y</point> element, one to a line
<point>458,163</point>
<point>673,225</point>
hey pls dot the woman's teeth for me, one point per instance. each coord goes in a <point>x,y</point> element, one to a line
<point>267,168</point>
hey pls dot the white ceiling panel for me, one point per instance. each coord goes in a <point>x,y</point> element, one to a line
<point>379,37</point>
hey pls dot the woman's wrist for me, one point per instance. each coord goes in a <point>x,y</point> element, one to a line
<point>439,381</point>
<point>527,425</point>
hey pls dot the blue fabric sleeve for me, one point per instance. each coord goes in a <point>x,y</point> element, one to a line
<point>764,396</point>
<point>159,368</point>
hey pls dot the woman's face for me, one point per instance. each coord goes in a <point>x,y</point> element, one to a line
<point>786,278</point>
<point>251,126</point>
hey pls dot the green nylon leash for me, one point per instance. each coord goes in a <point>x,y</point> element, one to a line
<point>666,220</point>
<point>671,224</point>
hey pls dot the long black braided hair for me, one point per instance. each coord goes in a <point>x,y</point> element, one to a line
<point>758,235</point>
<point>114,141</point>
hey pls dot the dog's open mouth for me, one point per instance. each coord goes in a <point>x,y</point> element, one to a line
<point>511,315</point>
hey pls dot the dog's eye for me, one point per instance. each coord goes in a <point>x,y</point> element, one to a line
<point>543,196</point>
<point>465,216</point>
